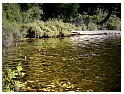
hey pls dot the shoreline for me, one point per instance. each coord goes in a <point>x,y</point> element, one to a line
<point>99,32</point>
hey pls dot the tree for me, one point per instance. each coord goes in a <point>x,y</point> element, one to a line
<point>11,12</point>
<point>72,11</point>
<point>65,11</point>
<point>27,6</point>
<point>34,13</point>
<point>112,10</point>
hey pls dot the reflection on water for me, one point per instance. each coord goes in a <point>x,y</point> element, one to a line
<point>80,63</point>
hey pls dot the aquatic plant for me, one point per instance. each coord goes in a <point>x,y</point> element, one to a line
<point>9,84</point>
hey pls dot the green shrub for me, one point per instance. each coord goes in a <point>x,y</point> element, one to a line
<point>92,27</point>
<point>32,14</point>
<point>99,16</point>
<point>82,27</point>
<point>10,31</point>
<point>11,12</point>
<point>114,23</point>
<point>51,27</point>
<point>11,22</point>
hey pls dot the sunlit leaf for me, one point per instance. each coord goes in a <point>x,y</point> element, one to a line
<point>19,68</point>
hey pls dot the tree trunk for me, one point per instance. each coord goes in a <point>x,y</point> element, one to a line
<point>106,18</point>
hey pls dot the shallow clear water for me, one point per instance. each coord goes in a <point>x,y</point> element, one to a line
<point>79,63</point>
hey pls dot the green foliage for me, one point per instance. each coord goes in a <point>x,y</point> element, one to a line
<point>72,12</point>
<point>27,6</point>
<point>82,27</point>
<point>114,23</point>
<point>52,27</point>
<point>92,26</point>
<point>11,21</point>
<point>10,31</point>
<point>91,22</point>
<point>18,18</point>
<point>32,14</point>
<point>65,11</point>
<point>11,12</point>
<point>8,82</point>
<point>99,16</point>
<point>13,18</point>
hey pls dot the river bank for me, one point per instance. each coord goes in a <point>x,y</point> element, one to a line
<point>99,32</point>
<point>72,33</point>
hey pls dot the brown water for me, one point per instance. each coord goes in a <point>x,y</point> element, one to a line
<point>80,63</point>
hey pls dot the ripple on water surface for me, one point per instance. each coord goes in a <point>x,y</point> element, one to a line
<point>80,63</point>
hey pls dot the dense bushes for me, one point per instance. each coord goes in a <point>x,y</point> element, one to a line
<point>13,19</point>
<point>11,12</point>
<point>91,22</point>
<point>51,27</point>
<point>114,23</point>
<point>31,15</point>
<point>10,32</point>
<point>16,21</point>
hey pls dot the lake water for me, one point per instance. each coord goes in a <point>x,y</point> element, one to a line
<point>80,63</point>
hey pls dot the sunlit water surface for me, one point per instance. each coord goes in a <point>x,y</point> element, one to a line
<point>79,63</point>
